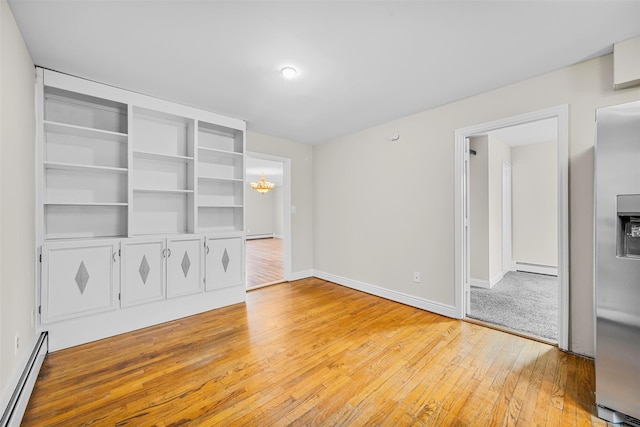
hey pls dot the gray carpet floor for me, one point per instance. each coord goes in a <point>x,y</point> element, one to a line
<point>526,302</point>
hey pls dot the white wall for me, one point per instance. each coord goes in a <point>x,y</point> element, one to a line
<point>17,200</point>
<point>485,215</point>
<point>260,211</point>
<point>278,214</point>
<point>479,209</point>
<point>498,153</point>
<point>264,211</point>
<point>535,203</point>
<point>379,234</point>
<point>301,156</point>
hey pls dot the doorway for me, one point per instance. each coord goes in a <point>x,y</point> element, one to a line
<point>464,220</point>
<point>267,221</point>
<point>513,205</point>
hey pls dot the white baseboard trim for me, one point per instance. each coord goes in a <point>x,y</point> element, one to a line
<point>298,275</point>
<point>20,389</point>
<point>537,268</point>
<point>495,279</point>
<point>259,236</point>
<point>479,283</point>
<point>487,284</point>
<point>413,301</point>
<point>278,236</point>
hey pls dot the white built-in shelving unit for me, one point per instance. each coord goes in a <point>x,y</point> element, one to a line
<point>85,166</point>
<point>220,179</point>
<point>162,190</point>
<point>141,209</point>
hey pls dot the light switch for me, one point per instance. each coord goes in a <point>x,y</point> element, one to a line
<point>293,209</point>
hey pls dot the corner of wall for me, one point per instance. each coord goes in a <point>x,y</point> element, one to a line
<point>17,200</point>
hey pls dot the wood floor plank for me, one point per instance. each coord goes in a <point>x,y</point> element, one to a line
<point>314,353</point>
<point>524,370</point>
<point>544,402</point>
<point>264,261</point>
<point>462,402</point>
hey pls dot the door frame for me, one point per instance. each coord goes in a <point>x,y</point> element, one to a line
<point>561,113</point>
<point>286,208</point>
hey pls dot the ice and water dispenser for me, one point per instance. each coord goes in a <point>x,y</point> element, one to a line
<point>628,230</point>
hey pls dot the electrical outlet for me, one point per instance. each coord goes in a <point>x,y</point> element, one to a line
<point>16,343</point>
<point>416,276</point>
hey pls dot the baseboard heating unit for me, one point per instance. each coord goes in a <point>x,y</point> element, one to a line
<point>20,398</point>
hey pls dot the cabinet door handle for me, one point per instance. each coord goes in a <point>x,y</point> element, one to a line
<point>207,250</point>
<point>169,253</point>
<point>114,256</point>
<point>164,253</point>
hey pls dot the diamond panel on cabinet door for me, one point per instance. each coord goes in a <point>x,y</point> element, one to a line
<point>144,269</point>
<point>82,277</point>
<point>225,260</point>
<point>186,263</point>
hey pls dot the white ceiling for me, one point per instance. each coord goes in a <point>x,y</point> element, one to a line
<point>360,63</point>
<point>528,133</point>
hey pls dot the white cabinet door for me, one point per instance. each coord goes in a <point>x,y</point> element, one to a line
<point>78,278</point>
<point>225,263</point>
<point>143,278</point>
<point>184,266</point>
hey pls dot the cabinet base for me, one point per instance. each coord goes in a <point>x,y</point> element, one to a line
<point>73,332</point>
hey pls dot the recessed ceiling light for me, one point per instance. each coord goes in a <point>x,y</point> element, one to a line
<point>289,72</point>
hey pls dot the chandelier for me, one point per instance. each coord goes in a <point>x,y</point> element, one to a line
<point>262,186</point>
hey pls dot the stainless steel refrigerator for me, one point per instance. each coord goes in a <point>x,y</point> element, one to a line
<point>617,269</point>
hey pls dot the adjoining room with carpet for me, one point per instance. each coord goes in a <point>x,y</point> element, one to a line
<point>520,301</point>
<point>513,229</point>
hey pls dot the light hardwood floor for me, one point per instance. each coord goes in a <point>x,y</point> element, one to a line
<point>314,353</point>
<point>264,262</point>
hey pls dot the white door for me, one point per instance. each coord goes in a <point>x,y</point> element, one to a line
<point>185,274</point>
<point>78,278</point>
<point>143,271</point>
<point>224,263</point>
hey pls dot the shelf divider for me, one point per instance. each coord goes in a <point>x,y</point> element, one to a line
<point>83,131</point>
<point>216,151</point>
<point>79,167</point>
<point>162,157</point>
<point>219,205</point>
<point>54,203</point>
<point>161,190</point>
<point>215,178</point>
